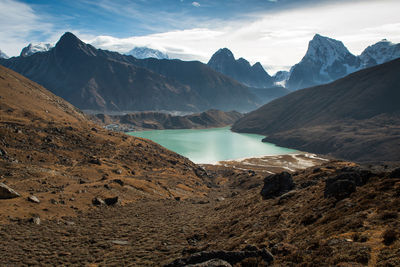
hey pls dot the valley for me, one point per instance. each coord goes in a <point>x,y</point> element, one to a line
<point>131,135</point>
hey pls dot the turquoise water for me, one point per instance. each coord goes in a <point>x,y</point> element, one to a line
<point>212,145</point>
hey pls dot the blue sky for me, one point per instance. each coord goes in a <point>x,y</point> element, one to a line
<point>275,32</point>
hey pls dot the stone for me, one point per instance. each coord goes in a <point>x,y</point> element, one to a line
<point>111,201</point>
<point>232,257</point>
<point>120,242</point>
<point>339,189</point>
<point>211,263</point>
<point>118,171</point>
<point>276,185</point>
<point>33,199</point>
<point>395,173</point>
<point>35,220</point>
<point>118,181</point>
<point>98,201</point>
<point>95,161</point>
<point>7,192</point>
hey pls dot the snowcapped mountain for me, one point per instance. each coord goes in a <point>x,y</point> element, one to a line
<point>3,55</point>
<point>326,60</point>
<point>142,52</point>
<point>379,53</point>
<point>224,62</point>
<point>35,48</point>
<point>281,77</point>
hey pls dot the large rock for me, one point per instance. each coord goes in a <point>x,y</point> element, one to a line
<point>345,182</point>
<point>277,184</point>
<point>7,192</point>
<point>211,263</point>
<point>339,189</point>
<point>232,257</point>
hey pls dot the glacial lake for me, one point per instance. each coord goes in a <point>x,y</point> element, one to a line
<point>213,145</point>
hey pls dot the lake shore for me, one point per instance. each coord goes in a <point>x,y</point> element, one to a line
<point>277,163</point>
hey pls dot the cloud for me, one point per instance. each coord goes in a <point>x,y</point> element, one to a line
<point>196,4</point>
<point>19,22</point>
<point>278,40</point>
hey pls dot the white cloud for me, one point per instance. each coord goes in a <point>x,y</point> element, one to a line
<point>196,4</point>
<point>18,21</point>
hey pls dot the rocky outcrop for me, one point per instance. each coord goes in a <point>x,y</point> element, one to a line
<point>7,192</point>
<point>277,184</point>
<point>232,257</point>
<point>343,184</point>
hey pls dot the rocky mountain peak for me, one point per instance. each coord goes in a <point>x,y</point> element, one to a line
<point>69,44</point>
<point>379,53</point>
<point>326,49</point>
<point>326,60</point>
<point>224,62</point>
<point>33,48</point>
<point>224,52</point>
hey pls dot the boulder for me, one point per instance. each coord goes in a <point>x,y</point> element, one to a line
<point>395,173</point>
<point>33,199</point>
<point>276,185</point>
<point>339,189</point>
<point>35,220</point>
<point>111,201</point>
<point>211,263</point>
<point>7,192</point>
<point>98,201</point>
<point>232,257</point>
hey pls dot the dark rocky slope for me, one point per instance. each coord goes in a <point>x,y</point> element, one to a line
<point>157,120</point>
<point>356,117</point>
<point>94,79</point>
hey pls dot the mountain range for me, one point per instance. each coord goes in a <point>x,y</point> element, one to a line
<point>328,59</point>
<point>224,62</point>
<point>142,52</point>
<point>95,79</point>
<point>356,117</point>
<point>157,120</point>
<point>259,81</point>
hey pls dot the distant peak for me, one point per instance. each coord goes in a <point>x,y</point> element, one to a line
<point>68,38</point>
<point>318,38</point>
<point>33,48</point>
<point>69,43</point>
<point>243,61</point>
<point>225,52</point>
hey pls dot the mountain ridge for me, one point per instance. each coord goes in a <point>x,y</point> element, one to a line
<point>224,62</point>
<point>98,79</point>
<point>360,98</point>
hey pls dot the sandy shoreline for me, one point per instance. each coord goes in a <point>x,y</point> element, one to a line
<point>276,163</point>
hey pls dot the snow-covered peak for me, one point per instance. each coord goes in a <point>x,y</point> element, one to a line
<point>326,50</point>
<point>281,77</point>
<point>379,53</point>
<point>142,52</point>
<point>3,55</point>
<point>35,48</point>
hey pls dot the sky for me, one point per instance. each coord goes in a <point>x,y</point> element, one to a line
<point>273,32</point>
